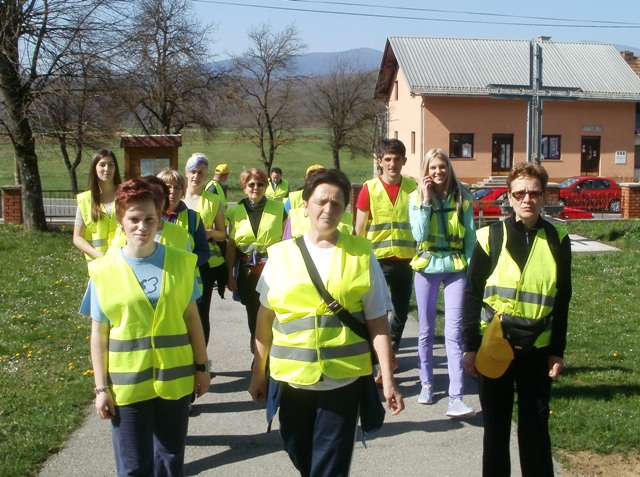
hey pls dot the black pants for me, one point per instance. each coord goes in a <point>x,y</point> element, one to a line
<point>319,429</point>
<point>250,298</point>
<point>529,373</point>
<point>399,276</point>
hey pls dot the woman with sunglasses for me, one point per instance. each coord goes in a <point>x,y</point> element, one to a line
<point>255,223</point>
<point>520,274</point>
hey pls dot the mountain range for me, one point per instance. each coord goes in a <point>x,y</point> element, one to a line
<point>362,59</point>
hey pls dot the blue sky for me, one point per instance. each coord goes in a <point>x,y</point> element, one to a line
<point>362,23</point>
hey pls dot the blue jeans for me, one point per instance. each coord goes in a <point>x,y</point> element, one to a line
<point>149,437</point>
<point>427,286</point>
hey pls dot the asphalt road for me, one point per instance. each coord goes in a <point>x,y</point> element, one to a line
<point>227,435</point>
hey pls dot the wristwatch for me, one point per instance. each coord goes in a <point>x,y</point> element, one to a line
<point>203,368</point>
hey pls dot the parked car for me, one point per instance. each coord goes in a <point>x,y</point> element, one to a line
<point>495,202</point>
<point>487,202</point>
<point>590,193</point>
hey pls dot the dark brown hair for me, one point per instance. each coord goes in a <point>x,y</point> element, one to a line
<point>94,182</point>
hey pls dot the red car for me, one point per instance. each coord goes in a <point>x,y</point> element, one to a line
<point>488,201</point>
<point>590,193</point>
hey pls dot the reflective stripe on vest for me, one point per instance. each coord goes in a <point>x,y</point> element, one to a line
<point>269,230</point>
<point>309,341</point>
<point>208,209</point>
<point>99,234</point>
<point>388,227</point>
<point>445,236</point>
<point>150,353</point>
<point>527,294</point>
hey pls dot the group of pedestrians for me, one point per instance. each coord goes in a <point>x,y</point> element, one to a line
<point>318,291</point>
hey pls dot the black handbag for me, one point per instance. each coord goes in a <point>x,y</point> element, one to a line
<point>371,408</point>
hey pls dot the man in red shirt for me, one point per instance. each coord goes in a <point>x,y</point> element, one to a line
<point>383,217</point>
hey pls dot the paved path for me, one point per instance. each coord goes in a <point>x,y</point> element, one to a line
<point>227,435</point>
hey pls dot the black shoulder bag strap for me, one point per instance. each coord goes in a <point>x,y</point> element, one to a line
<point>345,317</point>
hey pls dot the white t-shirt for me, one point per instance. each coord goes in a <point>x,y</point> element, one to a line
<point>376,301</point>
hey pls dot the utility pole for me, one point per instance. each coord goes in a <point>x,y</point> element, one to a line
<point>535,93</point>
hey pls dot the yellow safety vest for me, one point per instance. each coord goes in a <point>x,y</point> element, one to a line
<point>388,226</point>
<point>446,235</point>
<point>150,354</point>
<point>269,230</point>
<point>309,341</point>
<point>300,223</point>
<point>219,190</point>
<point>295,200</point>
<point>99,234</point>
<point>208,209</point>
<point>527,294</point>
<point>280,192</point>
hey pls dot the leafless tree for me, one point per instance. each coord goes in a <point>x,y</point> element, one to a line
<point>265,78</point>
<point>37,39</point>
<point>168,85</point>
<point>343,103</point>
<point>76,111</point>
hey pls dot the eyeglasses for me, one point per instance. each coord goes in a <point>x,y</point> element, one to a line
<point>254,185</point>
<point>521,194</point>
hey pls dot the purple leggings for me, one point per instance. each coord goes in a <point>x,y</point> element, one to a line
<point>427,286</point>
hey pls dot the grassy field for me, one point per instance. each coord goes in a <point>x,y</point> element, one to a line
<point>292,159</point>
<point>45,372</point>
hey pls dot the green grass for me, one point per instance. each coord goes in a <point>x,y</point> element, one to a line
<point>44,353</point>
<point>292,159</point>
<point>596,401</point>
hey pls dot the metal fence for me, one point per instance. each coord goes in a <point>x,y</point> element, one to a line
<point>59,206</point>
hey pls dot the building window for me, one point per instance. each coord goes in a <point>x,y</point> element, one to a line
<point>550,147</point>
<point>395,90</point>
<point>460,146</point>
<point>413,142</point>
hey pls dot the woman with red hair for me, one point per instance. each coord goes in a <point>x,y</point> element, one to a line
<point>147,344</point>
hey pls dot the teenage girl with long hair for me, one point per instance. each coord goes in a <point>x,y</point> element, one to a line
<point>96,222</point>
<point>441,216</point>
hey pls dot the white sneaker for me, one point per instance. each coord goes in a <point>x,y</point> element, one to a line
<point>426,394</point>
<point>457,408</point>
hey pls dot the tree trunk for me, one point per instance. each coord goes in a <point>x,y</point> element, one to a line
<point>24,145</point>
<point>335,153</point>
<point>33,206</point>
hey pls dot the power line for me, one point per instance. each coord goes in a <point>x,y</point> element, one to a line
<point>457,12</point>
<point>608,25</point>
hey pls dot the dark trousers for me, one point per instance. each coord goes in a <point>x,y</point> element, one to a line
<point>319,429</point>
<point>250,298</point>
<point>149,437</point>
<point>210,277</point>
<point>529,373</point>
<point>399,276</point>
<point>204,304</point>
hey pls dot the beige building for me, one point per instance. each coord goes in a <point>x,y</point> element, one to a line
<point>482,101</point>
